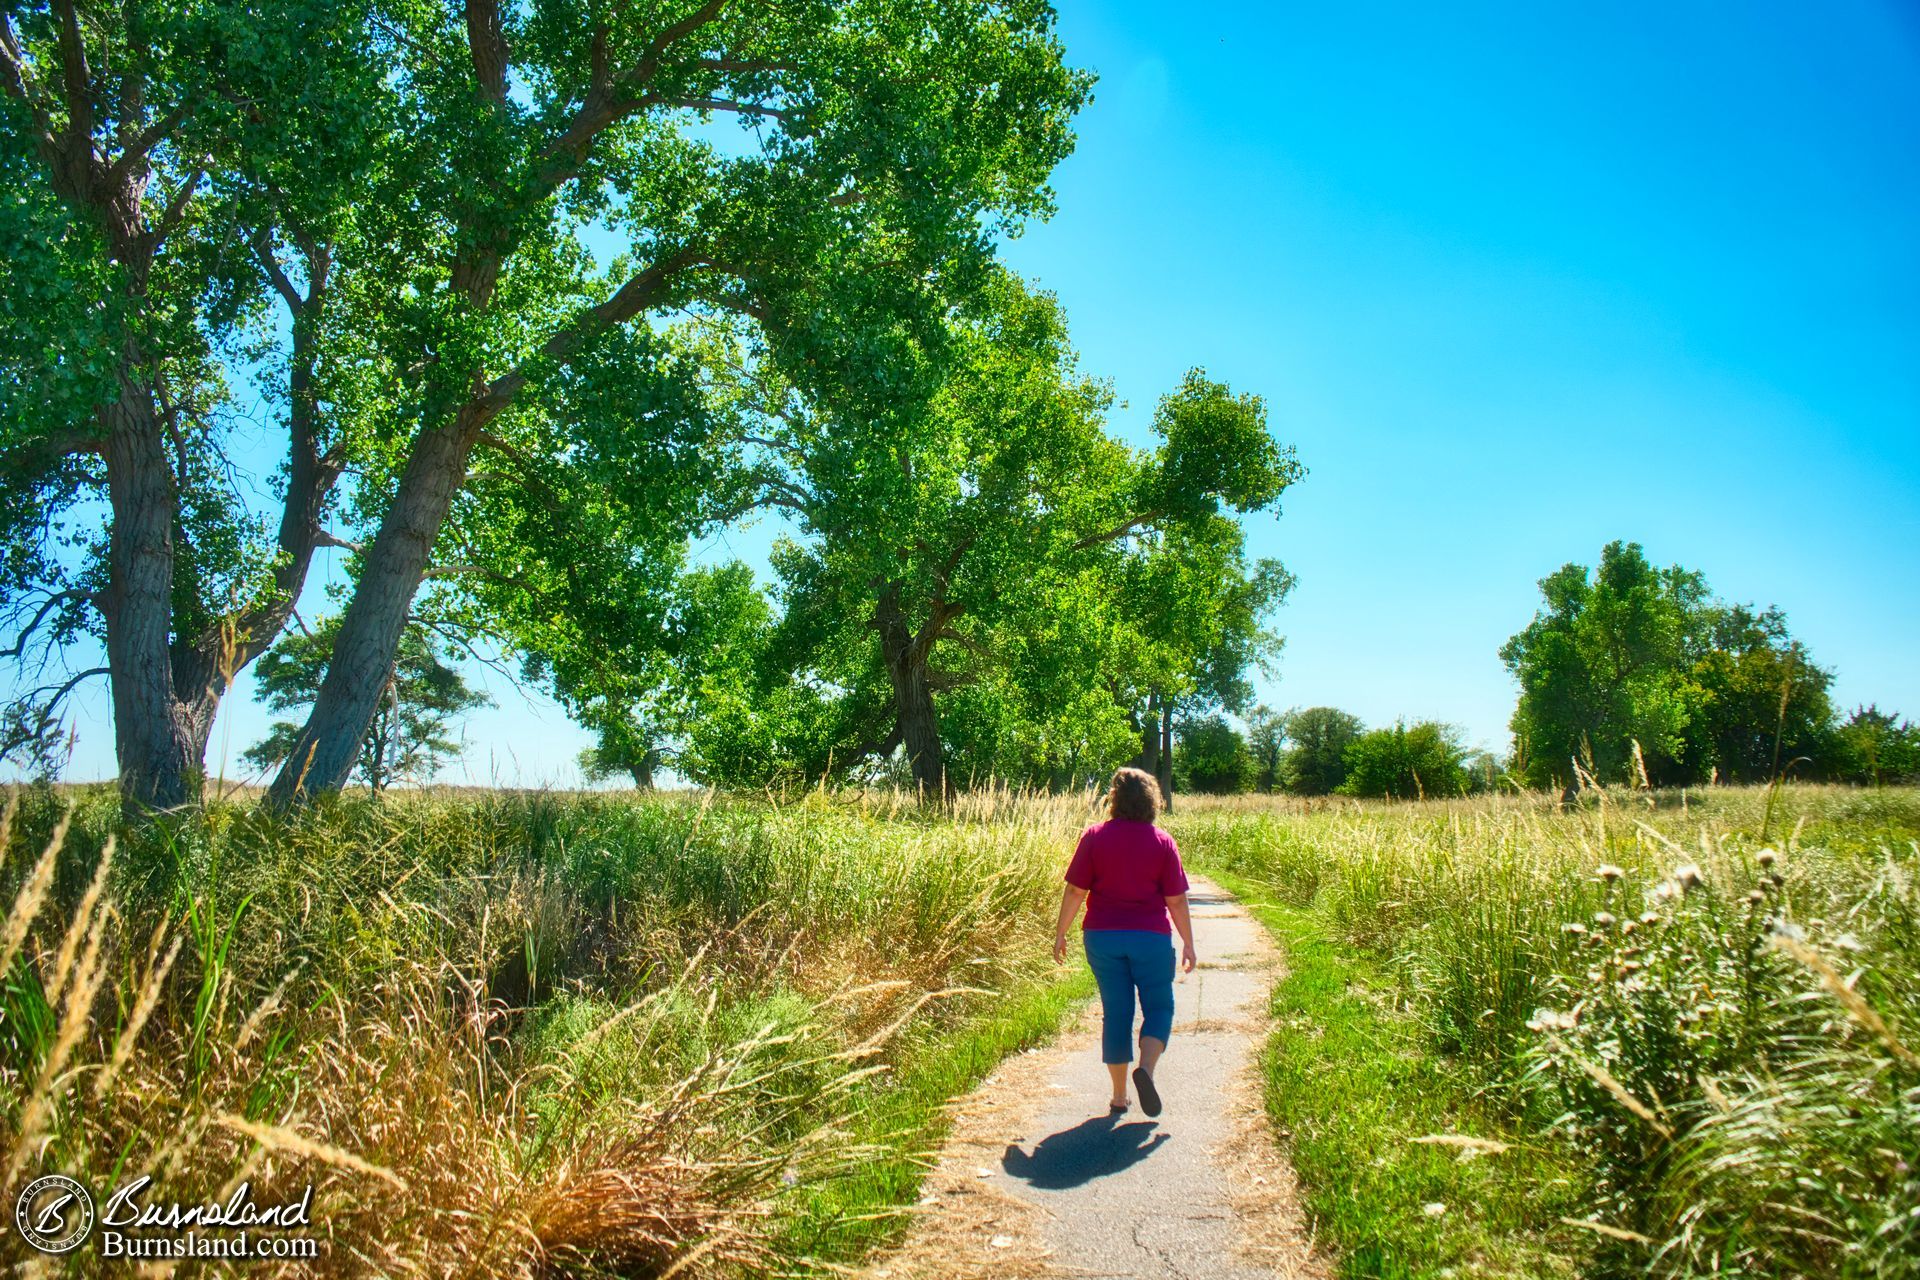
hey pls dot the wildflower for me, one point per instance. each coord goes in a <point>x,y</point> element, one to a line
<point>1550,1020</point>
<point>1787,929</point>
<point>1608,872</point>
<point>1575,928</point>
<point>1847,942</point>
<point>1663,891</point>
<point>1604,920</point>
<point>1756,897</point>
<point>1650,918</point>
<point>1688,876</point>
<point>1434,1209</point>
<point>1628,928</point>
<point>1766,857</point>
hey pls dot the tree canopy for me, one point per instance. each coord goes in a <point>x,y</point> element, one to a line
<point>480,223</point>
<point>1633,655</point>
<point>1407,762</point>
<point>1315,764</point>
<point>964,584</point>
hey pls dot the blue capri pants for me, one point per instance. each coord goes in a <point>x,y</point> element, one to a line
<point>1125,961</point>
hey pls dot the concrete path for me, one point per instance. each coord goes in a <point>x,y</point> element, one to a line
<point>1039,1180</point>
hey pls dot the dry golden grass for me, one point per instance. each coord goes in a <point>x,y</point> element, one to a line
<point>500,1036</point>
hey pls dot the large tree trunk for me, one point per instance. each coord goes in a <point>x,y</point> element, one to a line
<point>920,730</point>
<point>324,753</point>
<point>1149,757</point>
<point>919,726</point>
<point>160,744</point>
<point>1165,771</point>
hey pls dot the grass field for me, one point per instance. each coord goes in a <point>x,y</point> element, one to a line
<point>513,1034</point>
<point>1670,1035</point>
<point>521,1034</point>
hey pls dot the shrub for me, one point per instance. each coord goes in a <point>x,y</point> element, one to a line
<point>1407,763</point>
<point>1315,764</point>
<point>1212,758</point>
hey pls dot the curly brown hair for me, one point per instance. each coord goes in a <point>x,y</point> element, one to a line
<point>1134,796</point>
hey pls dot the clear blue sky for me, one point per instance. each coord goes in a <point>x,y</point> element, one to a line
<point>1515,280</point>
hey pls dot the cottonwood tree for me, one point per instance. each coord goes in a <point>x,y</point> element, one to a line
<point>927,549</point>
<point>1315,763</point>
<point>1407,762</point>
<point>1197,609</point>
<point>1630,656</point>
<point>1603,665</point>
<point>1876,747</point>
<point>650,703</point>
<point>1213,757</point>
<point>158,159</point>
<point>1757,703</point>
<point>882,145</point>
<point>1266,745</point>
<point>479,219</point>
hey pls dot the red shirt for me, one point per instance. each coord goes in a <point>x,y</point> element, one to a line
<point>1129,870</point>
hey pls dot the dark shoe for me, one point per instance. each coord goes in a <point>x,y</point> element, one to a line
<point>1149,1096</point>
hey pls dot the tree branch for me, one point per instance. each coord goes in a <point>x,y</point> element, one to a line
<point>142,145</point>
<point>72,444</point>
<point>19,82</point>
<point>177,207</point>
<point>75,80</point>
<point>649,62</point>
<point>63,690</point>
<point>488,46</point>
<point>876,746</point>
<point>630,300</point>
<point>270,263</point>
<point>1118,531</point>
<point>613,98</point>
<point>724,104</point>
<point>17,650</point>
<point>791,450</point>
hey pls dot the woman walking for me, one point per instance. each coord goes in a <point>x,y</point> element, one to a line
<point>1127,871</point>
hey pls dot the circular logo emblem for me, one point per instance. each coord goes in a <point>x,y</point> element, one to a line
<point>54,1214</point>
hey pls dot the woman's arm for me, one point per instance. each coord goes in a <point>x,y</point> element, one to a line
<point>1183,921</point>
<point>1070,899</point>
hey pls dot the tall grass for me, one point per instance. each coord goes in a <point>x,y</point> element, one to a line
<point>1704,1005</point>
<point>510,1034</point>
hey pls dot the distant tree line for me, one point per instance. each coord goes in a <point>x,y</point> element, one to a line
<point>1318,751</point>
<point>1633,673</point>
<point>1629,674</point>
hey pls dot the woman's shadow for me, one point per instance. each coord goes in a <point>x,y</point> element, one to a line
<point>1091,1149</point>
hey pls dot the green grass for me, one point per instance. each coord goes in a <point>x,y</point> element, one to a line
<point>844,1219</point>
<point>574,1034</point>
<point>1351,1082</point>
<point>1693,1014</point>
